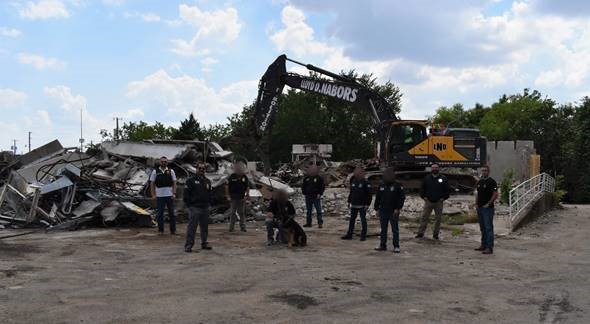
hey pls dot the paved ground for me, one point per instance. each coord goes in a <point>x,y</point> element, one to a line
<point>540,274</point>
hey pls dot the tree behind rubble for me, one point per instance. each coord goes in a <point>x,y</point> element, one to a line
<point>189,129</point>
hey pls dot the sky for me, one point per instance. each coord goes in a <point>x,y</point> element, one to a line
<point>161,60</point>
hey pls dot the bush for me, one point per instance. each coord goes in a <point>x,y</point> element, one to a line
<point>506,186</point>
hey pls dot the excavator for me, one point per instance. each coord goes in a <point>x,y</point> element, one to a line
<point>410,146</point>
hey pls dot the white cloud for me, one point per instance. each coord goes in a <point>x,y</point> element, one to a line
<point>183,94</point>
<point>44,9</point>
<point>10,32</point>
<point>207,63</point>
<point>44,117</point>
<point>71,105</point>
<point>114,3</point>
<point>40,62</point>
<point>220,26</point>
<point>69,102</point>
<point>297,36</point>
<point>129,114</point>
<point>10,98</point>
<point>147,17</point>
<point>472,58</point>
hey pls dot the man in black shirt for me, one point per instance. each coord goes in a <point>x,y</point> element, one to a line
<point>435,190</point>
<point>487,193</point>
<point>197,198</point>
<point>388,203</point>
<point>359,200</point>
<point>313,188</point>
<point>237,191</point>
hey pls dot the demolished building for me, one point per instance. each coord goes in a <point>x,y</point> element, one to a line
<point>62,188</point>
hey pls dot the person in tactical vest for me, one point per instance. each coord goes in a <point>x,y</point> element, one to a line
<point>237,192</point>
<point>163,190</point>
<point>388,204</point>
<point>359,200</point>
<point>197,197</point>
<point>313,188</point>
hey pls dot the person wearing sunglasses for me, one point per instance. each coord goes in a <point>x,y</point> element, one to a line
<point>163,190</point>
<point>197,197</point>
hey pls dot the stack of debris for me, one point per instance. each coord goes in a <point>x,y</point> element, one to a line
<point>61,188</point>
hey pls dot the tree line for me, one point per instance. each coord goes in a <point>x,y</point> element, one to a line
<point>561,132</point>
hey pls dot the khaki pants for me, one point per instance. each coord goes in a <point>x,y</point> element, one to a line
<point>438,210</point>
<point>239,207</point>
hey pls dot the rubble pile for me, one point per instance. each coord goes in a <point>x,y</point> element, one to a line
<point>61,188</point>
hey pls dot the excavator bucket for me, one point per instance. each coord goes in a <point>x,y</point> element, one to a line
<point>269,89</point>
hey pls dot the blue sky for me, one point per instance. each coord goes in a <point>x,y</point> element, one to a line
<point>160,60</point>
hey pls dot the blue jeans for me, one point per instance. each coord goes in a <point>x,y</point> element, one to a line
<point>485,216</point>
<point>312,202</point>
<point>363,214</point>
<point>386,218</point>
<point>162,203</point>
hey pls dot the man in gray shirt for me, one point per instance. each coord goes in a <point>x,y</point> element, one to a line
<point>163,190</point>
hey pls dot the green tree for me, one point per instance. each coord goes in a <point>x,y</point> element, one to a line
<point>140,131</point>
<point>189,130</point>
<point>578,176</point>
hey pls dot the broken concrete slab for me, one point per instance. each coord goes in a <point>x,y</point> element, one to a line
<point>145,150</point>
<point>86,207</point>
<point>111,212</point>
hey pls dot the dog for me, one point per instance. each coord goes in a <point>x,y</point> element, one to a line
<point>295,234</point>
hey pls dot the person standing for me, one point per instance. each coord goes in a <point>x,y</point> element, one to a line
<point>313,188</point>
<point>197,198</point>
<point>163,190</point>
<point>359,200</point>
<point>487,193</point>
<point>389,202</point>
<point>435,190</point>
<point>237,192</point>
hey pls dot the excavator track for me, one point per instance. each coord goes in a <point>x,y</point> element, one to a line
<point>412,180</point>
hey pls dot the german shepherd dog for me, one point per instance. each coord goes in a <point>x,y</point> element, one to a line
<point>295,234</point>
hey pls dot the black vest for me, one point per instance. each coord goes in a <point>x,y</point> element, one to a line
<point>163,179</point>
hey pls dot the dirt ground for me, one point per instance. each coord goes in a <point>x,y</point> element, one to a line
<point>539,274</point>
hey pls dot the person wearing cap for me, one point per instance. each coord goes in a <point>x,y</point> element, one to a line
<point>197,197</point>
<point>163,190</point>
<point>434,191</point>
<point>237,192</point>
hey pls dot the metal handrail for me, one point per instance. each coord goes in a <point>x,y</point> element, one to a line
<point>528,193</point>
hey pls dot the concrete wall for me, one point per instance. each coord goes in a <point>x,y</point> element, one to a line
<point>503,155</point>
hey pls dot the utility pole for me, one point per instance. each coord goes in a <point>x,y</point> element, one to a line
<point>117,127</point>
<point>81,134</point>
<point>13,147</point>
<point>29,141</point>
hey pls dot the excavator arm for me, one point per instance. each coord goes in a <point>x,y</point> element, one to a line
<point>340,87</point>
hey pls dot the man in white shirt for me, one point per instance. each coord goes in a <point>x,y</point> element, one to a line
<point>163,190</point>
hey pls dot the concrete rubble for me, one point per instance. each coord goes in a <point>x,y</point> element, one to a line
<point>60,188</point>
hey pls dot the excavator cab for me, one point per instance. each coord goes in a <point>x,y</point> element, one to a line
<point>410,145</point>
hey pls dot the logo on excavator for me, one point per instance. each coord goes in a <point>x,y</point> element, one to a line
<point>273,105</point>
<point>333,90</point>
<point>440,146</point>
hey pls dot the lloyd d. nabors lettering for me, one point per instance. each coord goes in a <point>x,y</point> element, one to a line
<point>333,90</point>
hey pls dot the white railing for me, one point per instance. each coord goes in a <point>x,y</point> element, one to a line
<point>523,196</point>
